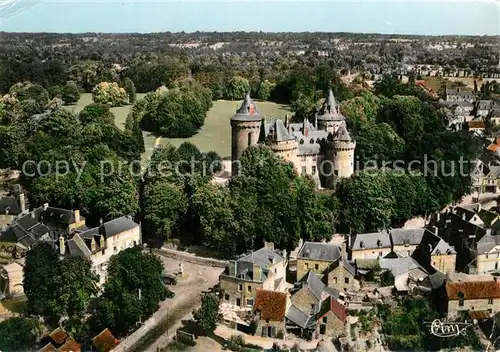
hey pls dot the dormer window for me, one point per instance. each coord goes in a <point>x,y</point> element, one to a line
<point>361,244</point>
<point>438,252</point>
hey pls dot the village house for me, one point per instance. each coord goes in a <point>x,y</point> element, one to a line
<point>59,340</point>
<point>105,341</point>
<point>477,127</point>
<point>483,108</point>
<point>467,296</point>
<point>10,207</point>
<point>262,269</point>
<point>308,296</point>
<point>66,232</point>
<point>491,181</point>
<point>407,273</point>
<point>316,257</point>
<point>460,94</point>
<point>434,253</point>
<point>341,275</point>
<point>405,241</point>
<point>270,309</point>
<point>370,245</point>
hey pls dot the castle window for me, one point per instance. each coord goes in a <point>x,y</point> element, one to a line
<point>311,141</point>
<point>249,139</point>
<point>314,170</point>
<point>304,170</point>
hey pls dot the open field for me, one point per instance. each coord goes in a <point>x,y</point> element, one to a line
<point>215,134</point>
<point>435,82</point>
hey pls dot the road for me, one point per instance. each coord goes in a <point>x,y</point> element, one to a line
<point>196,279</point>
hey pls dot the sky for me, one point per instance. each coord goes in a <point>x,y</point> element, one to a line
<point>423,17</point>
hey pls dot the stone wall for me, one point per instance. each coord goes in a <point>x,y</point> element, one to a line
<point>316,266</point>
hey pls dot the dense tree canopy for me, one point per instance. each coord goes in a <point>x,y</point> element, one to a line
<point>57,288</point>
<point>19,334</point>
<point>132,291</point>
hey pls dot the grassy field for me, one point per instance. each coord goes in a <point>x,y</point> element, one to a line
<point>215,134</point>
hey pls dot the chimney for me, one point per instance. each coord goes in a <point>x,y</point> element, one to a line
<point>269,245</point>
<point>257,273</point>
<point>62,246</point>
<point>76,213</point>
<point>232,268</point>
<point>22,201</point>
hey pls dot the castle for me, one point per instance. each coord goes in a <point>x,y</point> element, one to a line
<point>324,150</point>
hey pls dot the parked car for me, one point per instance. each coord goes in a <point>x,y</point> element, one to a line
<point>169,279</point>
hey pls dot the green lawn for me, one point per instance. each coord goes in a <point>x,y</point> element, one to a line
<point>215,134</point>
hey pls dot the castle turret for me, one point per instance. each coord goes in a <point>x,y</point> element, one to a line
<point>329,117</point>
<point>245,128</point>
<point>340,155</point>
<point>282,142</point>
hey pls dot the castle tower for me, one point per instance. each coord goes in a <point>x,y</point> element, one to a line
<point>329,117</point>
<point>340,154</point>
<point>282,142</point>
<point>245,128</point>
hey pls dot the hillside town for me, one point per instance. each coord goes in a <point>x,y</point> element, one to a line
<point>249,192</point>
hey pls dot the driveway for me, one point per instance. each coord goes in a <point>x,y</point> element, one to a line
<point>196,279</point>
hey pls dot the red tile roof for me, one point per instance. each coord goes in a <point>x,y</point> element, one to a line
<point>58,336</point>
<point>473,289</point>
<point>338,309</point>
<point>476,124</point>
<point>70,346</point>
<point>105,341</point>
<point>271,305</point>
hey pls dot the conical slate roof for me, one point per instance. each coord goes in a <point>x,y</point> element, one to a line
<point>329,110</point>
<point>343,135</point>
<point>247,111</point>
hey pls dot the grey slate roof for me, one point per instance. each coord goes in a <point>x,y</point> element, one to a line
<point>312,282</point>
<point>9,205</point>
<point>399,266</point>
<point>263,257</point>
<point>494,172</point>
<point>371,240</point>
<point>319,251</point>
<point>456,103</point>
<point>299,318</point>
<point>277,131</point>
<point>400,237</point>
<point>329,111</point>
<point>117,226</point>
<point>442,247</point>
<point>486,243</point>
<point>343,135</point>
<point>247,111</point>
<point>62,216</point>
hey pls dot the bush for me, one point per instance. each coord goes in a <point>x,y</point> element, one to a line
<point>109,93</point>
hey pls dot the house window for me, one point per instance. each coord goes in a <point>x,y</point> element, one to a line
<point>307,265</point>
<point>312,306</point>
<point>249,139</point>
<point>304,170</point>
<point>336,172</point>
<point>490,310</point>
<point>115,249</point>
<point>250,302</point>
<point>324,319</point>
<point>238,302</point>
<point>346,280</point>
<point>461,302</point>
<point>240,287</point>
<point>249,288</point>
<point>380,254</point>
<point>316,266</point>
<point>226,297</point>
<point>490,301</point>
<point>334,280</point>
